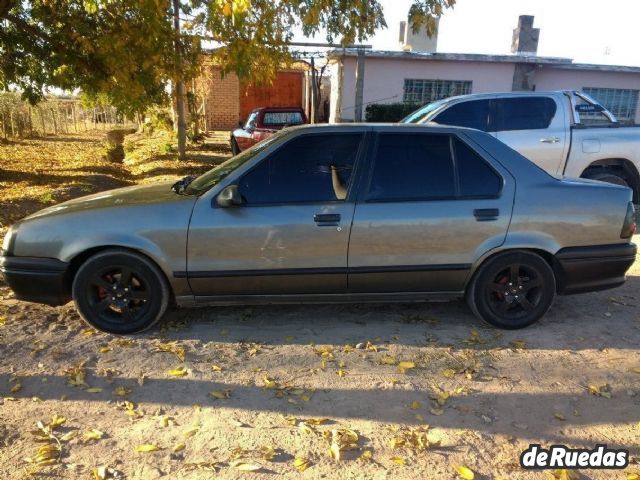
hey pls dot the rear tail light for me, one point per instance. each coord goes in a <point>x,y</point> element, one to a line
<point>629,226</point>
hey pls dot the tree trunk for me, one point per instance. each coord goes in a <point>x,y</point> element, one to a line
<point>179,86</point>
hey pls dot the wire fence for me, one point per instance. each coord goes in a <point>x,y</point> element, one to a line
<point>54,116</point>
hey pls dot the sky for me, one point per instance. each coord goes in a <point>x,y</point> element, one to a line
<point>588,31</point>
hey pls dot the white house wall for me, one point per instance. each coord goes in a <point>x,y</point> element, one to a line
<point>384,79</point>
<point>562,79</point>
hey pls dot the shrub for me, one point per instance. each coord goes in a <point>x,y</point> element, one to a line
<point>389,112</point>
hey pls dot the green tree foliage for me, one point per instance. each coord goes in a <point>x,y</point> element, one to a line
<point>123,50</point>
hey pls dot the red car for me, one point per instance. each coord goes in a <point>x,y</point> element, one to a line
<point>264,122</point>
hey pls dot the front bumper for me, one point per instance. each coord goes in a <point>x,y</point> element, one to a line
<point>588,269</point>
<point>40,280</point>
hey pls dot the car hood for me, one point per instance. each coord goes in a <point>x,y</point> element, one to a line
<point>121,197</point>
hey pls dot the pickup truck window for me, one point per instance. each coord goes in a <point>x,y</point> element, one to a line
<point>308,169</point>
<point>412,167</point>
<point>471,114</point>
<point>278,119</point>
<point>524,113</point>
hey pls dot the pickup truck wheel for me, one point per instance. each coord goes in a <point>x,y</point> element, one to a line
<point>512,290</point>
<point>235,149</point>
<point>121,292</point>
<point>608,177</point>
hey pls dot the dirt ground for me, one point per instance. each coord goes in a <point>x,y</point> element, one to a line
<point>395,391</point>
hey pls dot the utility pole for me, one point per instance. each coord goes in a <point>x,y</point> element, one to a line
<point>179,85</point>
<point>314,93</point>
<point>359,84</point>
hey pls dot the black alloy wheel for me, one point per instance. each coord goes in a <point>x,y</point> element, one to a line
<point>119,291</point>
<point>512,290</point>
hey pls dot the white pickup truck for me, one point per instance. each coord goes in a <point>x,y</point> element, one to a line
<point>565,132</point>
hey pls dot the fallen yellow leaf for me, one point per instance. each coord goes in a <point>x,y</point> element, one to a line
<point>404,366</point>
<point>415,405</point>
<point>388,360</point>
<point>301,464</point>
<point>179,447</point>
<point>398,460</point>
<point>92,434</point>
<point>465,472</point>
<point>147,447</point>
<point>178,372</point>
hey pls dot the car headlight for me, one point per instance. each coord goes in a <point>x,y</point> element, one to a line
<point>9,242</point>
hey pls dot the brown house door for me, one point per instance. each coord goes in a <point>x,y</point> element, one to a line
<point>285,91</point>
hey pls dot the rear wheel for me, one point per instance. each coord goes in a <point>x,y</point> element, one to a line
<point>512,290</point>
<point>121,292</point>
<point>609,177</point>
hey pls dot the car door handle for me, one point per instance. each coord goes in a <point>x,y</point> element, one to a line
<point>486,214</point>
<point>326,219</point>
<point>550,140</point>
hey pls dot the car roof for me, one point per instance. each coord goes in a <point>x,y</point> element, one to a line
<point>277,109</point>
<point>405,127</point>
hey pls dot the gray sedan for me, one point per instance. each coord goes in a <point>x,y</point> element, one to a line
<point>330,214</point>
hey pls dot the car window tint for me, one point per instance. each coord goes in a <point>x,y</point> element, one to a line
<point>526,113</point>
<point>471,114</point>
<point>310,168</point>
<point>282,118</point>
<point>412,167</point>
<point>477,178</point>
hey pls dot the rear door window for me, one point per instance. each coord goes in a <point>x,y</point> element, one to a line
<point>470,114</point>
<point>412,167</point>
<point>524,113</point>
<point>422,167</point>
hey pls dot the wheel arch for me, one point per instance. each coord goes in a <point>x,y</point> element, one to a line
<point>546,255</point>
<point>81,257</point>
<point>622,166</point>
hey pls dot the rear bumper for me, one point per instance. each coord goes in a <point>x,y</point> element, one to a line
<point>40,280</point>
<point>588,269</point>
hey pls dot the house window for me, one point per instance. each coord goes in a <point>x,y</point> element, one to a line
<point>623,103</point>
<point>427,91</point>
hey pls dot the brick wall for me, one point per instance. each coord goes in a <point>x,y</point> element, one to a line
<point>221,98</point>
<point>226,102</point>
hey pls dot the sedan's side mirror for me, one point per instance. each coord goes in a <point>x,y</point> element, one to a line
<point>229,197</point>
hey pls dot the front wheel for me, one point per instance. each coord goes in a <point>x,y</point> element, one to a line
<point>121,292</point>
<point>512,290</point>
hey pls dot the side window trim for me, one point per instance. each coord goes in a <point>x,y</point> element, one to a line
<point>371,159</point>
<point>351,191</point>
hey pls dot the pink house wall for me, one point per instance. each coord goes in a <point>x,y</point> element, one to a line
<point>548,78</point>
<point>384,79</point>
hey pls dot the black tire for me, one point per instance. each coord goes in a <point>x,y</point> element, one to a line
<point>609,177</point>
<point>235,149</point>
<point>121,292</point>
<point>512,290</point>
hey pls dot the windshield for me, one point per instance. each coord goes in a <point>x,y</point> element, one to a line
<point>212,177</point>
<point>421,115</point>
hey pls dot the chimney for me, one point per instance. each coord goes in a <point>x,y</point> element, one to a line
<point>417,42</point>
<point>525,37</point>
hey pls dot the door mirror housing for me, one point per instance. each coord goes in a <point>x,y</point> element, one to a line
<point>229,197</point>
